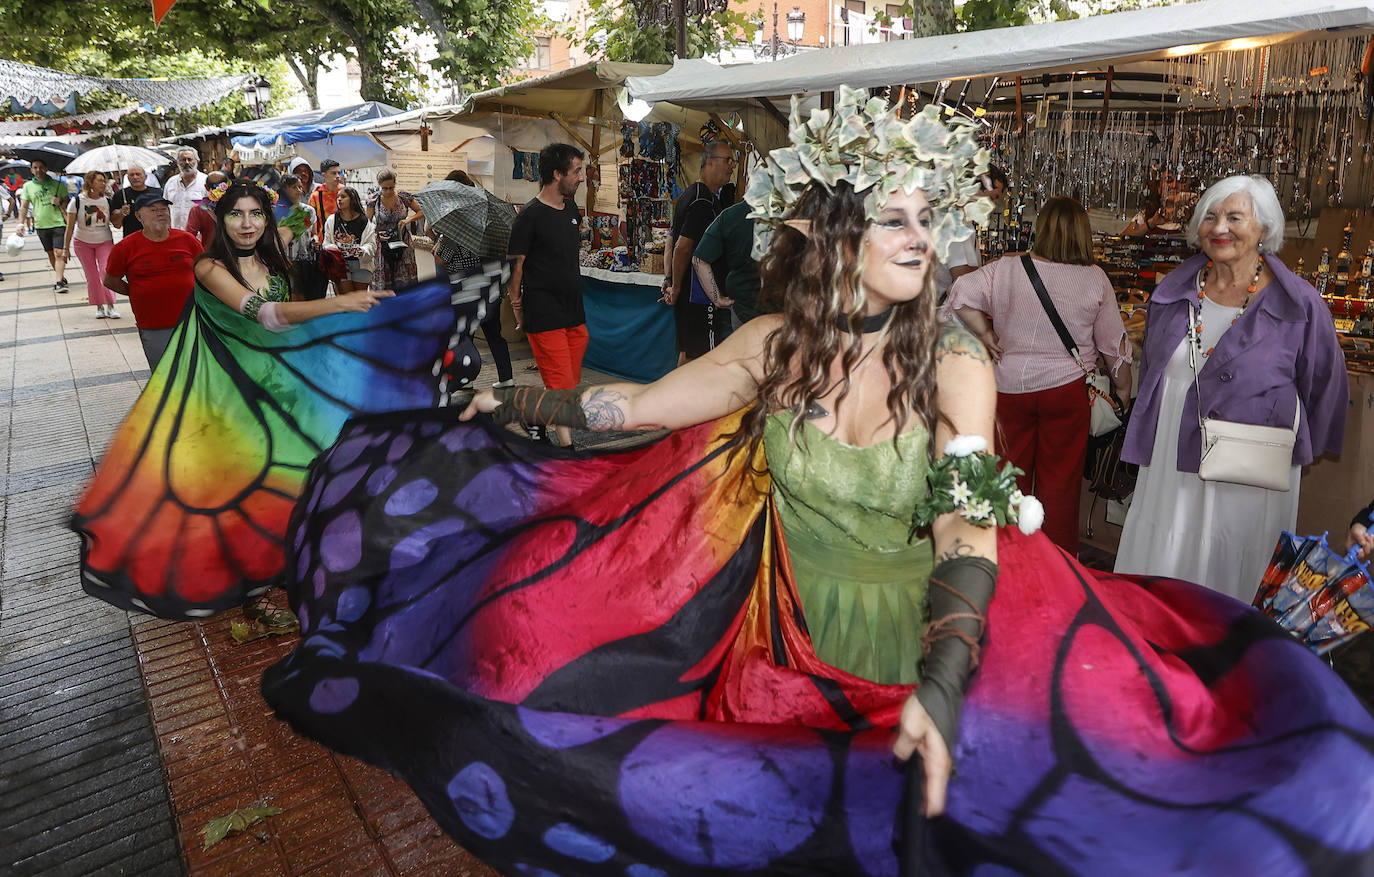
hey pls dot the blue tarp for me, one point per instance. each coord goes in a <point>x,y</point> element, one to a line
<point>301,127</point>
<point>631,335</point>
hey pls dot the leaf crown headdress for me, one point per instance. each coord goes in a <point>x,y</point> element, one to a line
<point>864,143</point>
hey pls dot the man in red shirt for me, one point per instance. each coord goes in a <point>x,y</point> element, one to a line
<point>153,267</point>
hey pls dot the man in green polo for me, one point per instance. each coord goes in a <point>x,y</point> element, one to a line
<point>725,247</point>
<point>44,198</point>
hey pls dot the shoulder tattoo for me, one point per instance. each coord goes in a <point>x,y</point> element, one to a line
<point>604,410</point>
<point>955,340</point>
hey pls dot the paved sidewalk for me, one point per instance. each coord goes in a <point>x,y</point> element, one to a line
<point>121,736</point>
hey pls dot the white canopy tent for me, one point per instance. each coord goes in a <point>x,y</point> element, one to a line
<point>579,104</point>
<point>1145,34</point>
<point>450,137</point>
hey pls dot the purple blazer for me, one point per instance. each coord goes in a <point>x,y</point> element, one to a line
<point>1282,349</point>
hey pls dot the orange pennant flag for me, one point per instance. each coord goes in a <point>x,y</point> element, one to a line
<point>160,8</point>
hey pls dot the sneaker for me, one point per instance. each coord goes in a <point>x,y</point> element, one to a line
<point>112,313</point>
<point>60,286</point>
<point>100,312</point>
<point>508,382</point>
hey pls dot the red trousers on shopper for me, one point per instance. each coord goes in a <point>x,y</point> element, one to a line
<point>1045,434</point>
<point>558,353</point>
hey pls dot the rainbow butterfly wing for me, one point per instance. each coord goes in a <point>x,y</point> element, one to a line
<point>186,512</point>
<point>596,664</point>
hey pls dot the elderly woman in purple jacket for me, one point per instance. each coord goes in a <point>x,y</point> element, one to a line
<point>1265,349</point>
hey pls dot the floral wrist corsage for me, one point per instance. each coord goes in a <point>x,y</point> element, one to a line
<point>967,480</point>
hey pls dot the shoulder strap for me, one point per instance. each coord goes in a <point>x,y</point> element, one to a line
<point>1045,302</point>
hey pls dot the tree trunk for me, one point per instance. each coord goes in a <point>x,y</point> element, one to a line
<point>373,76</point>
<point>372,85</point>
<point>308,74</point>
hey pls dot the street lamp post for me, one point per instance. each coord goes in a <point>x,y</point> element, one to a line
<point>796,26</point>
<point>257,91</point>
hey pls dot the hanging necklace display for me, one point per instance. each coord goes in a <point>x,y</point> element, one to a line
<point>1287,112</point>
<point>1201,294</point>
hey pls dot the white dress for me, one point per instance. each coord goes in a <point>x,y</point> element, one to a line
<point>1209,532</point>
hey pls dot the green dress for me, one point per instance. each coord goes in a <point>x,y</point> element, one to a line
<point>846,512</point>
<point>278,289</point>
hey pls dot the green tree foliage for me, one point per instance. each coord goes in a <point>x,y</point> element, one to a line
<point>641,31</point>
<point>988,14</point>
<point>939,16</point>
<point>478,39</point>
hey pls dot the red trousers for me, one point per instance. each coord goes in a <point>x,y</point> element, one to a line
<point>558,353</point>
<point>1045,434</point>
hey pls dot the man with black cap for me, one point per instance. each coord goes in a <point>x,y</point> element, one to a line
<point>153,267</point>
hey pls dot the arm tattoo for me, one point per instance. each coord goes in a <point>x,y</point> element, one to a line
<point>708,284</point>
<point>958,341</point>
<point>958,548</point>
<point>604,410</point>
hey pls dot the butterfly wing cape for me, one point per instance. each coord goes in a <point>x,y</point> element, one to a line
<point>186,512</point>
<point>596,664</point>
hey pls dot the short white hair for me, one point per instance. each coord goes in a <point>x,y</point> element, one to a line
<point>1264,203</point>
<point>190,149</point>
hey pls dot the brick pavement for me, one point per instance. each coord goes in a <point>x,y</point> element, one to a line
<point>122,735</point>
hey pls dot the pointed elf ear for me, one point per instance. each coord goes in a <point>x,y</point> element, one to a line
<point>801,225</point>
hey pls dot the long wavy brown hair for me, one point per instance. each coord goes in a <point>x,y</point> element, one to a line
<point>815,277</point>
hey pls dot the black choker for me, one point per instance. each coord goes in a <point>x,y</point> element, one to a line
<point>244,254</point>
<point>871,324</point>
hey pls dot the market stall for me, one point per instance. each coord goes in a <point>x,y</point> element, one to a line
<point>310,135</point>
<point>1136,112</point>
<point>639,166</point>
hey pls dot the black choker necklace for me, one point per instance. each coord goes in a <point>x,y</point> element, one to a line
<point>243,254</point>
<point>871,324</point>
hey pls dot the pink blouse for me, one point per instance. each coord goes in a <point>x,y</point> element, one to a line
<point>1033,357</point>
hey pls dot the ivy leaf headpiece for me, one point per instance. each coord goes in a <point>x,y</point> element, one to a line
<point>864,143</point>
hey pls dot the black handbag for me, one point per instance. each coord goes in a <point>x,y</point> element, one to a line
<point>1106,411</point>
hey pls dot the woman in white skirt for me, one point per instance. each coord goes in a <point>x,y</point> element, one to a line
<point>1266,353</point>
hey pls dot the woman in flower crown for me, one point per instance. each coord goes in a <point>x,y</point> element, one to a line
<point>699,656</point>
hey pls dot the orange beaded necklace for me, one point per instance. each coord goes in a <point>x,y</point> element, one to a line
<point>1202,290</point>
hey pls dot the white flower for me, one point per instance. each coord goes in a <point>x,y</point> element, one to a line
<point>1031,514</point>
<point>963,445</point>
<point>960,492</point>
<point>977,511</point>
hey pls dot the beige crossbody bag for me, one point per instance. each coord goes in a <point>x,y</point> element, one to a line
<point>1241,453</point>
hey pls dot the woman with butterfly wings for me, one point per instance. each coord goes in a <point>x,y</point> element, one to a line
<point>699,656</point>
<point>186,513</point>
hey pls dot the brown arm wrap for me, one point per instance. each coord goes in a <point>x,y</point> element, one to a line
<point>960,590</point>
<point>536,406</point>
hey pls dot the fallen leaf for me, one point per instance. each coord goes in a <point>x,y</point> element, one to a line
<point>234,822</point>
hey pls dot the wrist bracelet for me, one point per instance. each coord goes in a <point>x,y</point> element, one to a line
<point>535,406</point>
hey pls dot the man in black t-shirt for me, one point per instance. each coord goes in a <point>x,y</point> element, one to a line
<point>546,282</point>
<point>698,326</point>
<point>122,203</point>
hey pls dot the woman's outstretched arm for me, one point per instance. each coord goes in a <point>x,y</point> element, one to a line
<point>221,284</point>
<point>724,380</point>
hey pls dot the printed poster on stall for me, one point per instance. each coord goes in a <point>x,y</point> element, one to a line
<point>414,168</point>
